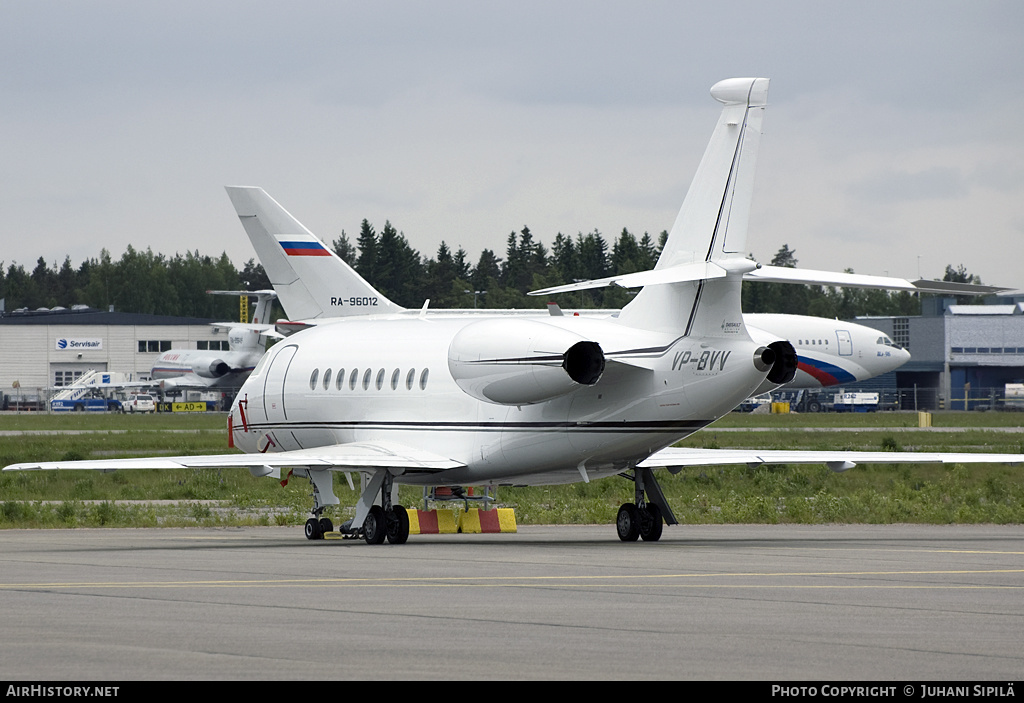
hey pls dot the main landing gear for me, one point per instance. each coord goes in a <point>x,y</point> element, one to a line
<point>374,523</point>
<point>645,517</point>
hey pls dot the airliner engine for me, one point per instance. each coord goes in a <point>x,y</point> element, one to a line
<point>176,363</point>
<point>210,367</point>
<point>521,362</point>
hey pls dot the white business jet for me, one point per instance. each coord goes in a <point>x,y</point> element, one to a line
<point>459,399</point>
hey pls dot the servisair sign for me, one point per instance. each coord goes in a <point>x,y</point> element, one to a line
<point>76,344</point>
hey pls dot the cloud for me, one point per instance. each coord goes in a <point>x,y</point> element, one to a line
<point>462,120</point>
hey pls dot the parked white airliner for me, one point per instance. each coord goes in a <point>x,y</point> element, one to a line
<point>459,399</point>
<point>189,368</point>
<point>829,352</point>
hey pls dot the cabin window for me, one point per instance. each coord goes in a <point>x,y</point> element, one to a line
<point>380,379</point>
<point>410,379</point>
<point>327,379</point>
<point>394,379</point>
<point>352,379</point>
<point>312,379</point>
<point>366,380</point>
<point>341,378</point>
<point>423,379</point>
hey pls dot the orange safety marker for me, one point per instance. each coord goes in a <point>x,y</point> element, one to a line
<point>431,522</point>
<point>488,521</point>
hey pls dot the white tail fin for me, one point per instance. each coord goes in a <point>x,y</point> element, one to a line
<point>246,335</point>
<point>711,227</point>
<point>311,280</point>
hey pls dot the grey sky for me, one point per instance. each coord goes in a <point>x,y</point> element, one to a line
<point>892,137</point>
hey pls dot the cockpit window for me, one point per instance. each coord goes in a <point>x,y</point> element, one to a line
<point>259,365</point>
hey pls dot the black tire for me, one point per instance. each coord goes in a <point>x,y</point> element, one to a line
<point>628,523</point>
<point>814,407</point>
<point>313,529</point>
<point>398,525</point>
<point>375,527</point>
<point>651,523</point>
<point>326,525</point>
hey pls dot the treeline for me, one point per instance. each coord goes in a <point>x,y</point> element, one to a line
<point>157,284</point>
<point>137,282</point>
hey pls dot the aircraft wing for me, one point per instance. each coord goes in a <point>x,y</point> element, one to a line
<point>355,456</point>
<point>678,457</point>
<point>782,274</point>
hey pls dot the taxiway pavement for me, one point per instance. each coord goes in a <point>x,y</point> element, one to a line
<point>899,602</point>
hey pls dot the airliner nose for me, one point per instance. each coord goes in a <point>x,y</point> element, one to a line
<point>899,357</point>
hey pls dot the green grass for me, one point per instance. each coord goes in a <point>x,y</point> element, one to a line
<point>769,494</point>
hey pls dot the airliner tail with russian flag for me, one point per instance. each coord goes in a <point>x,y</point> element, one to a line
<point>310,279</point>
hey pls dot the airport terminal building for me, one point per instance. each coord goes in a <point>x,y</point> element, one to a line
<point>45,349</point>
<point>962,356</point>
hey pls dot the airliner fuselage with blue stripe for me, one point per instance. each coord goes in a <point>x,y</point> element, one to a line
<point>830,352</point>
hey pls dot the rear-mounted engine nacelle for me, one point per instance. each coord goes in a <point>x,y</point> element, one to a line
<point>779,360</point>
<point>210,367</point>
<point>520,362</point>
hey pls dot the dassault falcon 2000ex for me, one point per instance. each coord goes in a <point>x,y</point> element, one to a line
<point>401,396</point>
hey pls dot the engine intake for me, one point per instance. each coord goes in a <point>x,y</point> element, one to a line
<point>784,363</point>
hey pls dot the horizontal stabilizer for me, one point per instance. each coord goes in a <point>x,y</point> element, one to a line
<point>707,270</point>
<point>782,274</point>
<point>265,330</point>
<point>699,271</point>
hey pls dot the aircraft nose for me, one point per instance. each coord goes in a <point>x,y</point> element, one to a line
<point>900,356</point>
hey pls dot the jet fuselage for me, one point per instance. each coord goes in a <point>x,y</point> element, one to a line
<point>394,379</point>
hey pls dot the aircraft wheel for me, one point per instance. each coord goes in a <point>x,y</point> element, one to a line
<point>375,528</point>
<point>628,523</point>
<point>651,523</point>
<point>313,530</point>
<point>326,525</point>
<point>398,525</point>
